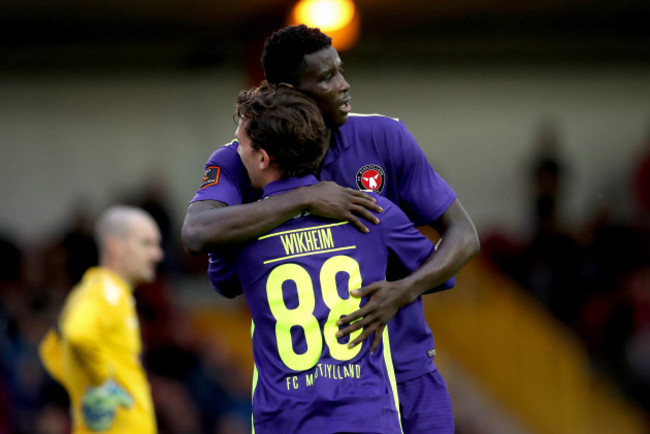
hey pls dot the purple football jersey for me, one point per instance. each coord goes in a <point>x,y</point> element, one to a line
<point>371,153</point>
<point>378,153</point>
<point>296,280</point>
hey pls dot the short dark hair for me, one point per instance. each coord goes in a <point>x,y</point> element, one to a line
<point>286,124</point>
<point>284,52</point>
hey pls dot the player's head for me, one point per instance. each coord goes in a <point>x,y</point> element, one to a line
<point>281,133</point>
<point>129,243</point>
<point>304,58</point>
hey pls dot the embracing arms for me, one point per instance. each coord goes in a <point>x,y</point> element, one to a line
<point>459,243</point>
<point>211,224</point>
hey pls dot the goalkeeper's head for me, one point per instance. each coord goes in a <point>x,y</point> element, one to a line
<point>129,243</point>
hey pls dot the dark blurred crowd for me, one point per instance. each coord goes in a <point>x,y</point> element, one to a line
<point>196,386</point>
<point>594,278</point>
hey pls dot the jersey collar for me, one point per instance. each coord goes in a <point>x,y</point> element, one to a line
<point>284,185</point>
<point>337,145</point>
<point>104,273</point>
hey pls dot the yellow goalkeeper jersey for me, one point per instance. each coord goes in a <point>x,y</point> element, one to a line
<point>99,339</point>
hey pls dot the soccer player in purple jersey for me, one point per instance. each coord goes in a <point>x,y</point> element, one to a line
<point>297,280</point>
<point>369,153</point>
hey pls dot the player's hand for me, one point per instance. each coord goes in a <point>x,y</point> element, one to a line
<point>328,199</point>
<point>386,298</point>
<point>99,405</point>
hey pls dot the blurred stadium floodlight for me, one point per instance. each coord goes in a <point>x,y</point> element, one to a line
<point>337,18</point>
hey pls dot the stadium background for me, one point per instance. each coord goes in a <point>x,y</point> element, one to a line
<point>538,114</point>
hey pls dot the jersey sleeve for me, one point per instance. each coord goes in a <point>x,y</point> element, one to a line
<point>222,276</point>
<point>225,178</point>
<point>405,243</point>
<point>423,194</point>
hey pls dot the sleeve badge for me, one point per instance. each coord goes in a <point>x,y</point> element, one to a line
<point>211,176</point>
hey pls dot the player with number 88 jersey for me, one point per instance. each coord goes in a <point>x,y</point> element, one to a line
<point>297,281</point>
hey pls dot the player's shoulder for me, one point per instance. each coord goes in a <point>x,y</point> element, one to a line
<point>388,206</point>
<point>224,153</point>
<point>381,200</point>
<point>371,119</point>
<point>102,287</point>
<point>373,125</point>
<point>230,146</point>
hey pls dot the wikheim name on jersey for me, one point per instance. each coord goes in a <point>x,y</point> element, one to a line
<point>309,240</point>
<point>324,370</point>
<point>306,241</point>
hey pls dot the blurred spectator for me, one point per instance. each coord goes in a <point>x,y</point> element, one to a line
<point>547,262</point>
<point>548,172</point>
<point>153,199</point>
<point>595,279</point>
<point>641,183</point>
<point>78,243</point>
<point>23,318</point>
<point>552,252</point>
<point>637,344</point>
<point>52,420</point>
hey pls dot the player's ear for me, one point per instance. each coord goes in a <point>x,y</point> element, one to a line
<point>265,159</point>
<point>288,85</point>
<point>113,247</point>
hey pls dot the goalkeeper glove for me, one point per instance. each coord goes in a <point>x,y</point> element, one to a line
<point>99,405</point>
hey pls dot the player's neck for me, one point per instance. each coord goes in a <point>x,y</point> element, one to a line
<point>116,267</point>
<point>271,174</point>
<point>326,146</point>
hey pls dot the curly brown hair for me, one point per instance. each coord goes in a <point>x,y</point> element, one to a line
<point>286,124</point>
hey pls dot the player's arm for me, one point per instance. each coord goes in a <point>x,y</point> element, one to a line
<point>459,242</point>
<point>49,351</point>
<point>209,223</point>
<point>386,298</point>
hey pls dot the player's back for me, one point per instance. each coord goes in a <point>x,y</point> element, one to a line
<point>297,281</point>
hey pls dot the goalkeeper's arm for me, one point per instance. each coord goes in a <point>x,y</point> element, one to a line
<point>50,353</point>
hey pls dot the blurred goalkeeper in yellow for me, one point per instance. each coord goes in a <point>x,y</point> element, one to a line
<point>95,351</point>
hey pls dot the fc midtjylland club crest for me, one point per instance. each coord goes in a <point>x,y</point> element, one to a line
<point>371,178</point>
